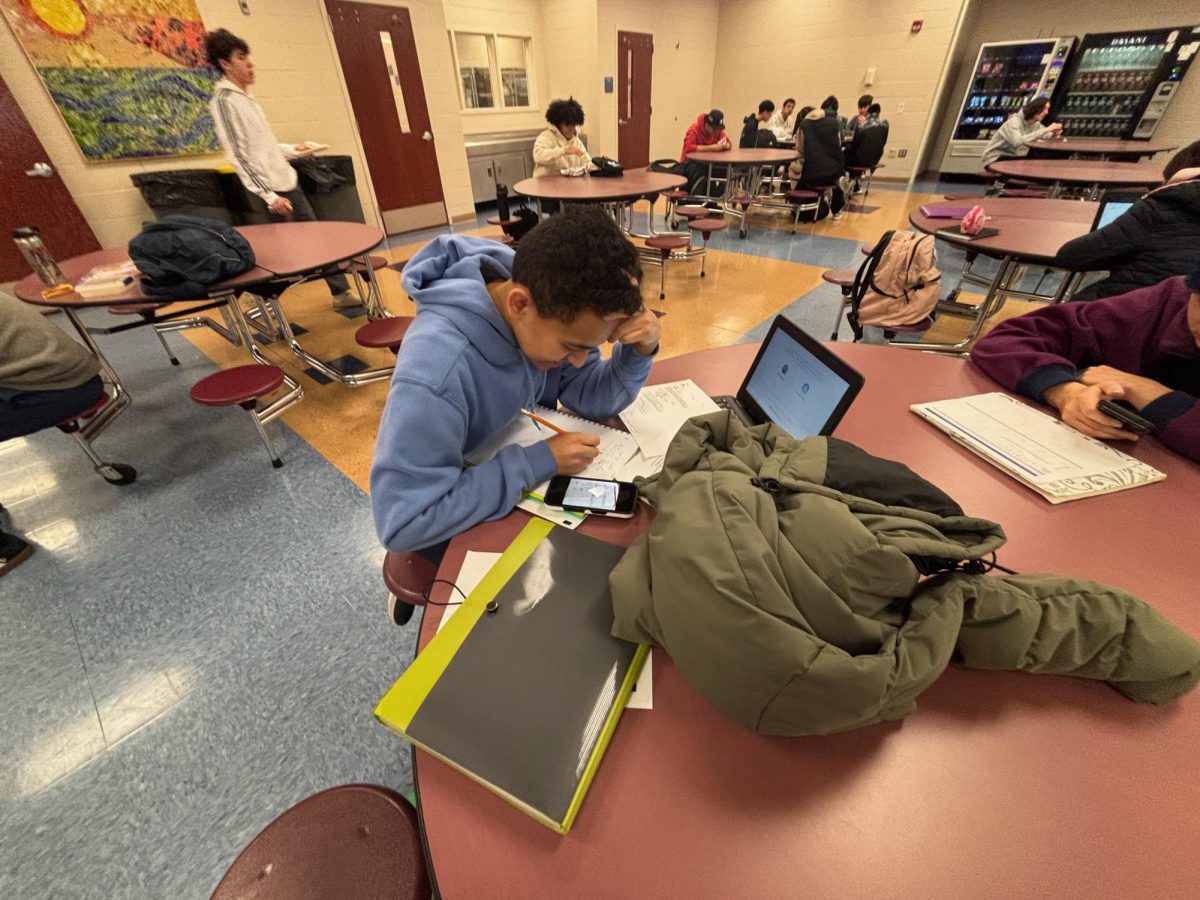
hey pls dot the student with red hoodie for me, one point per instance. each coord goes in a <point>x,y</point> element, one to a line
<point>706,134</point>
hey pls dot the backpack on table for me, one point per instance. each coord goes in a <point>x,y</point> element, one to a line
<point>180,256</point>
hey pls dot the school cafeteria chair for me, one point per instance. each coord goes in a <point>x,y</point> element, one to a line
<point>806,201</point>
<point>365,283</point>
<point>244,386</point>
<point>672,198</point>
<point>666,244</point>
<point>386,332</point>
<point>843,278</point>
<point>706,228</point>
<point>862,175</point>
<point>113,473</point>
<point>147,310</point>
<point>408,577</point>
<point>353,842</point>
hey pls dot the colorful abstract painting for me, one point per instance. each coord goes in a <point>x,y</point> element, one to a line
<point>128,76</point>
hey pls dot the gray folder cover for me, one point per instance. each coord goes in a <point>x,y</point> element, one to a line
<point>524,700</point>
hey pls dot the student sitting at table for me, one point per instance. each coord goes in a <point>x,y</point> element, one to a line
<point>704,135</point>
<point>864,113</point>
<point>865,149</point>
<point>783,122</point>
<point>830,107</point>
<point>755,132</point>
<point>558,149</point>
<point>1012,139</point>
<point>1142,348</point>
<point>1157,237</point>
<point>499,331</point>
<point>823,161</point>
<point>796,166</point>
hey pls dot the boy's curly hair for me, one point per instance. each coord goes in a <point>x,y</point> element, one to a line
<point>579,261</point>
<point>564,112</point>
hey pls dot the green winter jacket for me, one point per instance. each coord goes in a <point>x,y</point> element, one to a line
<point>786,580</point>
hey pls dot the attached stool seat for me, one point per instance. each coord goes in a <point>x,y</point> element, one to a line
<point>806,201</point>
<point>706,227</point>
<point>843,278</point>
<point>408,577</point>
<point>113,473</point>
<point>243,386</point>
<point>388,332</point>
<point>353,842</point>
<point>361,271</point>
<point>672,197</point>
<point>146,311</point>
<point>666,244</point>
<point>859,173</point>
<point>690,213</point>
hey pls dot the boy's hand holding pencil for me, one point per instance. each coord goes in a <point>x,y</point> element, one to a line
<point>573,450</point>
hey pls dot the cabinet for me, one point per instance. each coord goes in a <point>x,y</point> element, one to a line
<point>501,168</point>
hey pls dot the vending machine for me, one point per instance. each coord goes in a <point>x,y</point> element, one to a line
<point>1006,76</point>
<point>1120,84</point>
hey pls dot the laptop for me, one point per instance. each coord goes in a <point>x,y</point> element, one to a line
<point>796,383</point>
<point>1112,207</point>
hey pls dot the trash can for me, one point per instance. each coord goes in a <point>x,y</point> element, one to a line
<point>193,192</point>
<point>242,205</point>
<point>331,188</point>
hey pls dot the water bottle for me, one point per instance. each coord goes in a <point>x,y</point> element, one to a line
<point>29,242</point>
<point>502,202</point>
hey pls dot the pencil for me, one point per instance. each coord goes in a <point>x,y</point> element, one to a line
<point>539,420</point>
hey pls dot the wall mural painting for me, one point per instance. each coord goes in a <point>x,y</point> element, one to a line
<point>128,76</point>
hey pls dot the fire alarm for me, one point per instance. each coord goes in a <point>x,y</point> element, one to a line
<point>917,25</point>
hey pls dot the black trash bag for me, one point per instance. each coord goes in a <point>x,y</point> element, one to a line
<point>177,188</point>
<point>324,174</point>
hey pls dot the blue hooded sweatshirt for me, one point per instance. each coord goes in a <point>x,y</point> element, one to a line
<point>460,379</point>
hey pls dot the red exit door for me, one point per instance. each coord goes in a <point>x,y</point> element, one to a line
<point>635,55</point>
<point>31,193</point>
<point>378,56</point>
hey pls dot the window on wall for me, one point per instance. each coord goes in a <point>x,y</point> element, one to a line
<point>493,70</point>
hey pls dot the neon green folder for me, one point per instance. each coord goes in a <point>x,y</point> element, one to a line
<point>524,699</point>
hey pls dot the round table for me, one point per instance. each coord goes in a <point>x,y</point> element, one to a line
<point>1094,175</point>
<point>739,197</point>
<point>1016,785</point>
<point>1099,148</point>
<point>1031,232</point>
<point>632,185</point>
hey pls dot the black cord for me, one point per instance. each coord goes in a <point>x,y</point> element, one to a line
<point>429,588</point>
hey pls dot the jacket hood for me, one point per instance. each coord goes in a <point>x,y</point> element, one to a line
<point>702,129</point>
<point>816,114</point>
<point>449,276</point>
<point>1180,191</point>
<point>1192,174</point>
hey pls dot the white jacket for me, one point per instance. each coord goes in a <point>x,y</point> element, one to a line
<point>781,126</point>
<point>1013,138</point>
<point>548,153</point>
<point>249,143</point>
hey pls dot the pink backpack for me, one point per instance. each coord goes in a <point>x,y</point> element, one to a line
<point>897,284</point>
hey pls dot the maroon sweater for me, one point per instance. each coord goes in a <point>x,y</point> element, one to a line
<point>1144,332</point>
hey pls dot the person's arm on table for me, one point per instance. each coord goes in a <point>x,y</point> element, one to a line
<point>1116,243</point>
<point>1175,414</point>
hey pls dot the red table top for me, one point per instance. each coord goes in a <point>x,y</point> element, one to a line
<point>747,156</point>
<point>1030,229</point>
<point>632,184</point>
<point>284,248</point>
<point>1080,171</point>
<point>1017,785</point>
<point>1067,146</point>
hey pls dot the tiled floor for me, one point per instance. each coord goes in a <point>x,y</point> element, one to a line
<point>187,656</point>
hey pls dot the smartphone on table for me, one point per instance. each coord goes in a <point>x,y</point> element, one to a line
<point>1126,415</point>
<point>593,495</point>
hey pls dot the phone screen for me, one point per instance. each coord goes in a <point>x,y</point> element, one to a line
<point>591,494</point>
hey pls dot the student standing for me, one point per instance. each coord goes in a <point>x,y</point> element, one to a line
<point>498,331</point>
<point>558,148</point>
<point>252,148</point>
<point>1012,139</point>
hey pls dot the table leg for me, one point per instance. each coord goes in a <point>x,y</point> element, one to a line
<point>991,304</point>
<point>119,398</point>
<point>321,366</point>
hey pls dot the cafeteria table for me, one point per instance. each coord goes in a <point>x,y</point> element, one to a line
<point>1092,177</point>
<point>741,193</point>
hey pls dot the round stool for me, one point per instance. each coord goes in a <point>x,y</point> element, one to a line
<point>113,473</point>
<point>241,386</point>
<point>354,841</point>
<point>666,244</point>
<point>706,227</point>
<point>408,577</point>
<point>388,332</point>
<point>805,201</point>
<point>843,278</point>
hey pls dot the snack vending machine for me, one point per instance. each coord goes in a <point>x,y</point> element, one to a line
<point>1120,84</point>
<point>1006,76</point>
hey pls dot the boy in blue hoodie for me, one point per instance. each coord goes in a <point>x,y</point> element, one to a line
<point>495,332</point>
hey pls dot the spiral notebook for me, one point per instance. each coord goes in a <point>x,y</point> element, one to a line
<point>618,459</point>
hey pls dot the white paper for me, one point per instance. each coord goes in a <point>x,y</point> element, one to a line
<point>475,565</point>
<point>660,410</point>
<point>1038,449</point>
<point>642,696</point>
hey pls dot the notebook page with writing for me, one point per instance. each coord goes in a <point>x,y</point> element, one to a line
<point>1038,450</point>
<point>659,411</point>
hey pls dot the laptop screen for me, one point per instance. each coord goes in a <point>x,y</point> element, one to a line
<point>1110,210</point>
<point>793,387</point>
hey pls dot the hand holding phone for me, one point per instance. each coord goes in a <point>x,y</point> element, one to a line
<point>1126,415</point>
<point>593,495</point>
